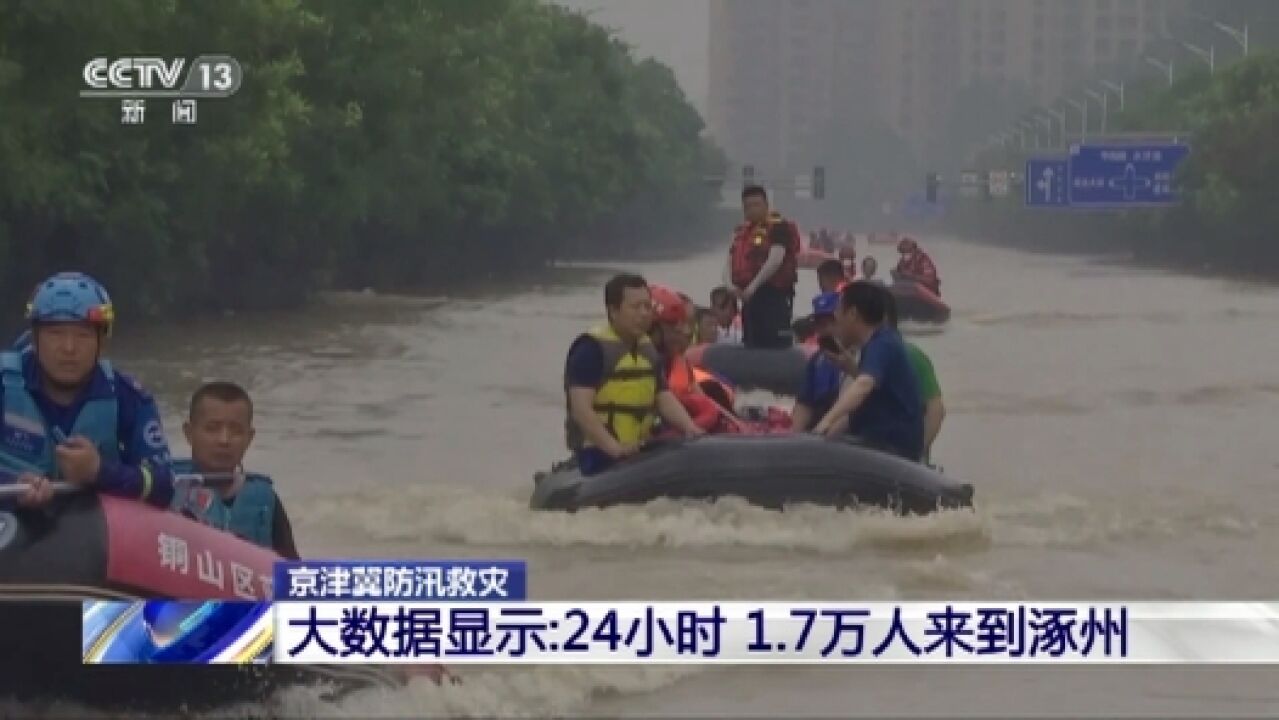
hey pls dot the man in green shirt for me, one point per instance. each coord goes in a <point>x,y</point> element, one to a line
<point>929,389</point>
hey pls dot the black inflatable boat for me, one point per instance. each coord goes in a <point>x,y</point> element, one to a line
<point>101,548</point>
<point>771,471</point>
<point>777,371</point>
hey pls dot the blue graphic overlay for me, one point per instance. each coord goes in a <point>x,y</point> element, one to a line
<point>1048,182</point>
<point>628,632</point>
<point>176,631</point>
<point>402,580</point>
<point>1124,175</point>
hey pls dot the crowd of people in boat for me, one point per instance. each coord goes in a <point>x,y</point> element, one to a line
<point>70,415</point>
<point>630,378</point>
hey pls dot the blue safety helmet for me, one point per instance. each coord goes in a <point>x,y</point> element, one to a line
<point>71,297</point>
<point>826,303</point>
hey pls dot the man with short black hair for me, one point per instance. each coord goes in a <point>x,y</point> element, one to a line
<point>831,276</point>
<point>762,270</point>
<point>881,401</point>
<point>219,429</point>
<point>614,383</point>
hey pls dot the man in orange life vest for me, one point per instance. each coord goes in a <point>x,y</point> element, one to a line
<point>916,265</point>
<point>762,270</point>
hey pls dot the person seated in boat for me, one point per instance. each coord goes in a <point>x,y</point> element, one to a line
<point>707,326</point>
<point>847,257</point>
<point>727,315</point>
<point>926,375</point>
<point>880,397</point>
<point>68,414</point>
<point>822,376</point>
<point>670,335</point>
<point>219,429</point>
<point>614,384</point>
<point>805,330</point>
<point>831,276</point>
<point>870,266</point>
<point>917,266</point>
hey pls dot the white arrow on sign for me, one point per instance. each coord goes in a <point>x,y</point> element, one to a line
<point>1045,183</point>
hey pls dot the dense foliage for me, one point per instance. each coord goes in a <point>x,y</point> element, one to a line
<point>384,143</point>
<point>1230,207</point>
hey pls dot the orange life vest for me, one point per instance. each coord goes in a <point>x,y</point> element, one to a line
<point>750,251</point>
<point>685,378</point>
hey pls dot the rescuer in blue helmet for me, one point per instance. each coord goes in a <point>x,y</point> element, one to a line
<point>68,415</point>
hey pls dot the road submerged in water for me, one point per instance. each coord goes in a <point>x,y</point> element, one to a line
<point>1117,423</point>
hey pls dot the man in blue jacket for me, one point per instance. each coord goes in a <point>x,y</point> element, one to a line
<point>67,414</point>
<point>220,430</point>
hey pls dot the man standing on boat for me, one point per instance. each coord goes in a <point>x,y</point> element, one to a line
<point>762,270</point>
<point>68,414</point>
<point>615,383</point>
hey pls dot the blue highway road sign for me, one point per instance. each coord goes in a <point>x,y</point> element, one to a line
<point>1124,175</point>
<point>1048,182</point>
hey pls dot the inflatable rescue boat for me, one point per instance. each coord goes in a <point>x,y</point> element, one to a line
<point>777,371</point>
<point>918,303</point>
<point>770,471</point>
<point>810,257</point>
<point>91,547</point>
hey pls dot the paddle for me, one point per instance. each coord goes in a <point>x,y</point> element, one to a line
<point>212,480</point>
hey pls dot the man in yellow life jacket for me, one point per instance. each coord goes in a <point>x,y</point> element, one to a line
<point>615,382</point>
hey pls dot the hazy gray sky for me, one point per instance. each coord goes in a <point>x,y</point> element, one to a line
<point>673,31</point>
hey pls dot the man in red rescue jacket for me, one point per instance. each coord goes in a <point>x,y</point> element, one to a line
<point>762,270</point>
<point>916,265</point>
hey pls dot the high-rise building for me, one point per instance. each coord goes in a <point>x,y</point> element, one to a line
<point>782,71</point>
<point>773,83</point>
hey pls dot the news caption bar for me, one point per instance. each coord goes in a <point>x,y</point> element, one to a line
<point>467,611</point>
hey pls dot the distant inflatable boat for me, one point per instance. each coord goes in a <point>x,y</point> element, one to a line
<point>810,257</point>
<point>93,547</point>
<point>770,471</point>
<point>918,303</point>
<point>777,371</point>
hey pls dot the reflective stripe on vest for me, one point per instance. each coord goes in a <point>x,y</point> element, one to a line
<point>250,516</point>
<point>27,439</point>
<point>626,400</point>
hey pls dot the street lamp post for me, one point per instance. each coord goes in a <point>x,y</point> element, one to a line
<point>1209,56</point>
<point>1048,125</point>
<point>1118,89</point>
<point>1060,115</point>
<point>1082,107</point>
<point>1101,98</point>
<point>1164,66</point>
<point>1028,124</point>
<point>1239,36</point>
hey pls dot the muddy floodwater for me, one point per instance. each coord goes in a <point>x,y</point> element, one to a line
<point>1119,425</point>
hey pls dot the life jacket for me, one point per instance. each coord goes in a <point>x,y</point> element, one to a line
<point>920,267</point>
<point>27,439</point>
<point>250,516</point>
<point>750,251</point>
<point>680,376</point>
<point>702,377</point>
<point>626,401</point>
